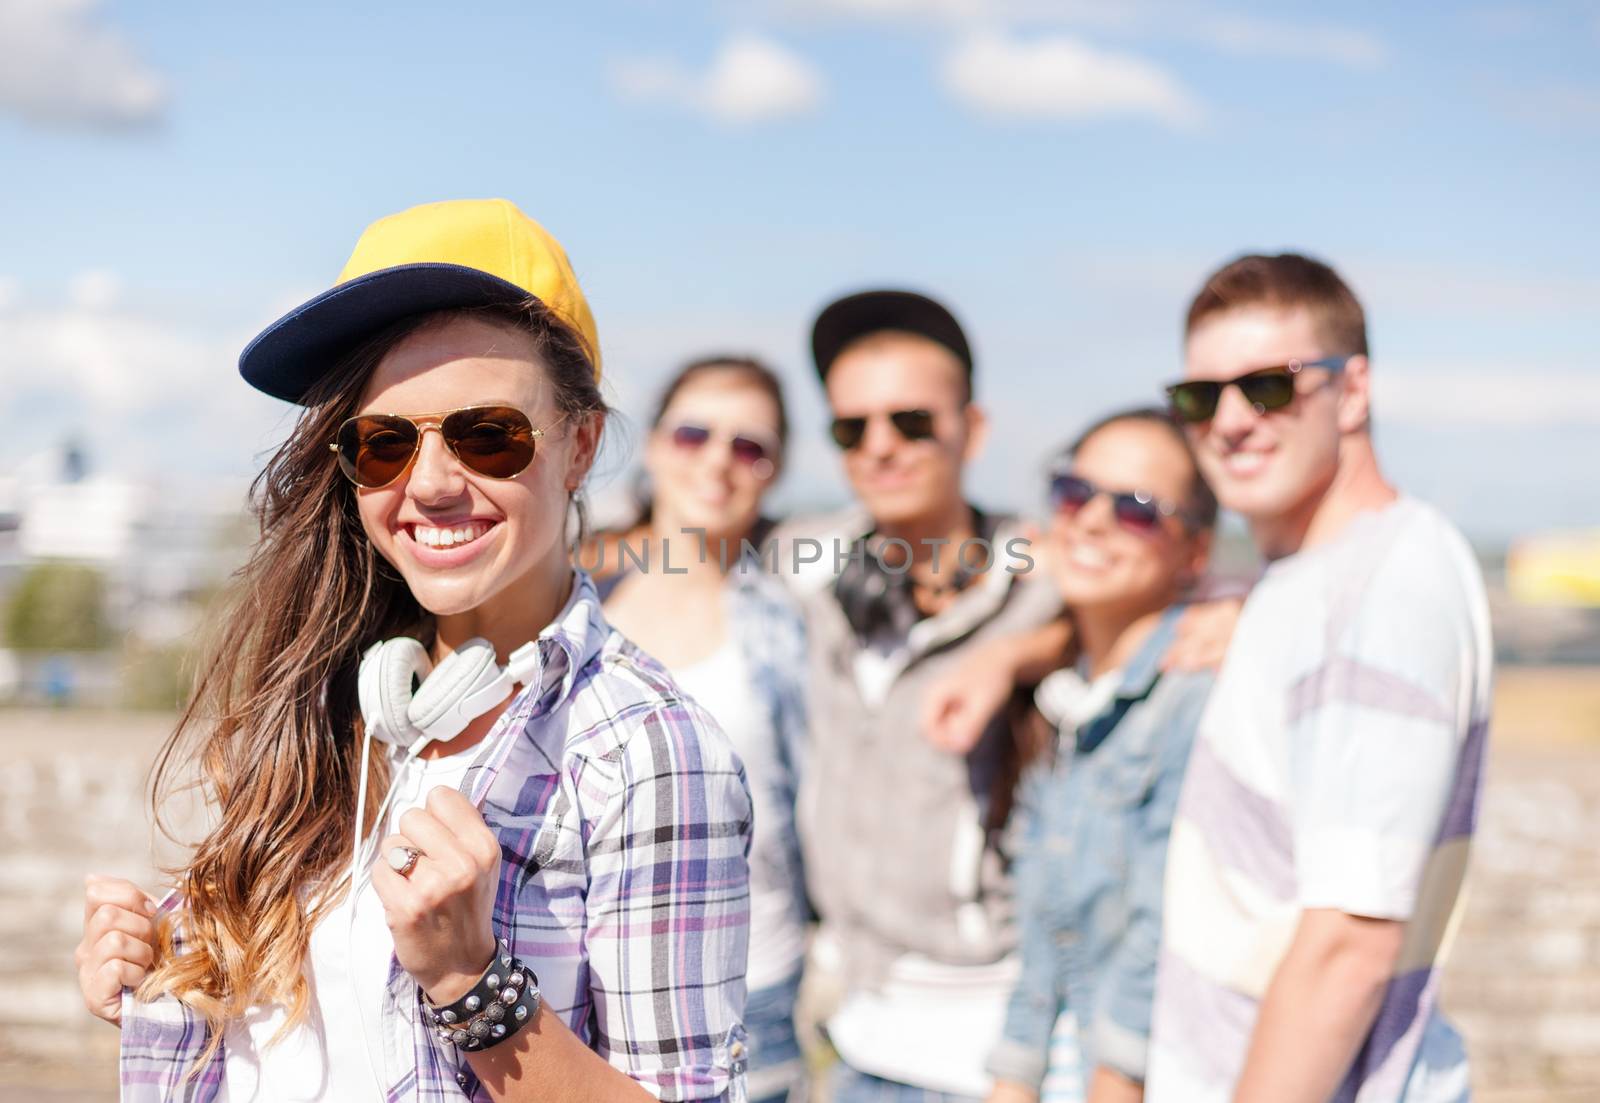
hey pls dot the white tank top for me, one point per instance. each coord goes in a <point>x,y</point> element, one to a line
<point>722,684</point>
<point>321,1057</point>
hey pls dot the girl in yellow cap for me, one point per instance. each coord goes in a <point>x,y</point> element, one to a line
<point>467,841</point>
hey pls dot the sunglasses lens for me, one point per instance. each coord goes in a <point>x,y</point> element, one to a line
<point>1135,514</point>
<point>913,424</point>
<point>848,431</point>
<point>1070,493</point>
<point>496,441</point>
<point>375,449</point>
<point>1268,390</point>
<point>690,436</point>
<point>746,450</point>
<point>1195,401</point>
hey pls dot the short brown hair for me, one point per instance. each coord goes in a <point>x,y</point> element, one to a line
<point>1286,281</point>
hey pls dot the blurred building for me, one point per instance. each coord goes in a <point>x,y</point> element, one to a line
<point>160,546</point>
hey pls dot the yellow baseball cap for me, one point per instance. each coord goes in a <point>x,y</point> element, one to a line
<point>439,256</point>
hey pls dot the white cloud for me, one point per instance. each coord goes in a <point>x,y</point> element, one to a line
<point>1059,77</point>
<point>750,80</point>
<point>165,389</point>
<point>1271,38</point>
<point>1086,12</point>
<point>1398,287</point>
<point>892,9</point>
<point>1142,19</point>
<point>94,290</point>
<point>1487,398</point>
<point>1391,287</point>
<point>61,65</point>
<point>115,361</point>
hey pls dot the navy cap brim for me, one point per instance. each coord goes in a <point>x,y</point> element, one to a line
<point>294,353</point>
<point>856,316</point>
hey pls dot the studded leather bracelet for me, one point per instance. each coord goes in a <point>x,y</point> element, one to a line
<point>502,1001</point>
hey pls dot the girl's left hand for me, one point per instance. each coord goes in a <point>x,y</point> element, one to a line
<point>441,913</point>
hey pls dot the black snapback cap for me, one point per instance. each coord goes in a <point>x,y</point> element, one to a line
<point>853,316</point>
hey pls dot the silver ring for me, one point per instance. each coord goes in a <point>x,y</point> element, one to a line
<point>403,859</point>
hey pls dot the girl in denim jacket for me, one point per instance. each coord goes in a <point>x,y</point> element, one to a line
<point>1131,533</point>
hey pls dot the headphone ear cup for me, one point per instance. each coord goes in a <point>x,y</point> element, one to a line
<point>449,700</point>
<point>388,670</point>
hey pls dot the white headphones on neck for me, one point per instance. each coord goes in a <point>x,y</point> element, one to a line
<point>446,698</point>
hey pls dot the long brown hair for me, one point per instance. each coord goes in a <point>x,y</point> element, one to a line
<point>274,725</point>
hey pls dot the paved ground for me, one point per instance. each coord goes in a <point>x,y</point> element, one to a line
<point>1524,981</point>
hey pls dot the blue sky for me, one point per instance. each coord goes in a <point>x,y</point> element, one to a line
<point>1062,173</point>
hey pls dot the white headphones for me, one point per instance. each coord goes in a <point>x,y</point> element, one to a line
<point>452,695</point>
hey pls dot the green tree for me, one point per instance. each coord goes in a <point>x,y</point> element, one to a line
<point>58,607</point>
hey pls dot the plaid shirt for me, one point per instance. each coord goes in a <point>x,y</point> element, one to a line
<point>624,824</point>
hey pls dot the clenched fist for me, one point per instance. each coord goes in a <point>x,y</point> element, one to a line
<point>118,945</point>
<point>441,911</point>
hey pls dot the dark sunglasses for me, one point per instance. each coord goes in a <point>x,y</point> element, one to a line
<point>1266,389</point>
<point>496,441</point>
<point>910,424</point>
<point>744,448</point>
<point>1134,509</point>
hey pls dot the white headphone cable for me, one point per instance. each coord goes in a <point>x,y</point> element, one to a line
<point>358,882</point>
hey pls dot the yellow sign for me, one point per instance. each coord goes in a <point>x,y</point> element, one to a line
<point>1557,568</point>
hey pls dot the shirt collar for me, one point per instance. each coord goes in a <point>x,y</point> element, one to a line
<point>567,643</point>
<point>1141,672</point>
<point>561,651</point>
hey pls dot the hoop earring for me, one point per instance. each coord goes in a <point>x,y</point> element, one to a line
<point>577,504</point>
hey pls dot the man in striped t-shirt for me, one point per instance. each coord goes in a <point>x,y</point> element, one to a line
<point>1316,860</point>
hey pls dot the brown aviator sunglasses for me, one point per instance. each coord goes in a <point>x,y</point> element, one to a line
<point>496,441</point>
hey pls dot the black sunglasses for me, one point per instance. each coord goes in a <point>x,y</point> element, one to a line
<point>1265,389</point>
<point>1134,509</point>
<point>910,424</point>
<point>497,441</point>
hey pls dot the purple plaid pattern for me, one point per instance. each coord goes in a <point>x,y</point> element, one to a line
<point>624,825</point>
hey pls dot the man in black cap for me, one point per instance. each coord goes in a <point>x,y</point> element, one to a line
<point>903,841</point>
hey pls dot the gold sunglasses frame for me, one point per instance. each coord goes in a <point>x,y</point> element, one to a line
<point>423,422</point>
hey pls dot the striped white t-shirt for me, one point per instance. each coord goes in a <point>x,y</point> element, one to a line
<point>1337,766</point>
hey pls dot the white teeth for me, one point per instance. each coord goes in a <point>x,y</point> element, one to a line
<point>432,537</point>
<point>1246,463</point>
<point>1092,558</point>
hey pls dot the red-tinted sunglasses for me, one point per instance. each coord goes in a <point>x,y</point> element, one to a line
<point>1135,510</point>
<point>745,447</point>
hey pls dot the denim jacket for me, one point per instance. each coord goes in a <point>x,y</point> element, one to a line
<point>1094,819</point>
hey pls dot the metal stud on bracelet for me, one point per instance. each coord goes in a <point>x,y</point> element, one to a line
<point>503,1000</point>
